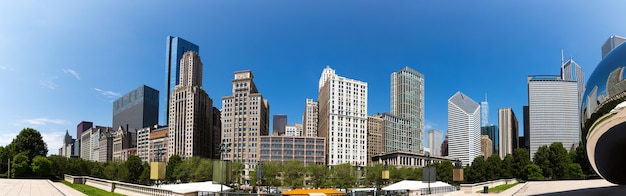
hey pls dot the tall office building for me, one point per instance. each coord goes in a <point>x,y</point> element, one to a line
<point>397,135</point>
<point>508,131</point>
<point>553,112</point>
<point>279,122</point>
<point>444,147</point>
<point>463,128</point>
<point>526,144</point>
<point>612,43</point>
<point>191,113</point>
<point>407,102</point>
<point>137,109</point>
<point>245,117</point>
<point>571,71</point>
<point>491,131</point>
<point>375,128</point>
<point>81,127</point>
<point>485,146</point>
<point>435,137</point>
<point>174,50</point>
<point>484,113</point>
<point>309,119</point>
<point>295,131</point>
<point>343,117</point>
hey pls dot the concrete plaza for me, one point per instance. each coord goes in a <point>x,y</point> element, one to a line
<point>558,188</point>
<point>24,187</point>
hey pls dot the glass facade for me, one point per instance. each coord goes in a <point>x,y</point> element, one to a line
<point>137,109</point>
<point>175,49</point>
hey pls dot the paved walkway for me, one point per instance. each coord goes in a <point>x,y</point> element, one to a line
<point>25,187</point>
<point>557,188</point>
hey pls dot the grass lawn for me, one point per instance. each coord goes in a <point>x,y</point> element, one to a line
<point>90,190</point>
<point>501,188</point>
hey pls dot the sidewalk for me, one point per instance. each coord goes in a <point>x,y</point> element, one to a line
<point>557,188</point>
<point>26,187</point>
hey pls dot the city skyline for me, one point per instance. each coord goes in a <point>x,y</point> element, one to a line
<point>71,61</point>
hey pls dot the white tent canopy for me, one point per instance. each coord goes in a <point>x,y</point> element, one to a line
<point>207,186</point>
<point>413,185</point>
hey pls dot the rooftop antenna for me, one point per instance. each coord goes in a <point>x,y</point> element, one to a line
<point>485,97</point>
<point>562,58</point>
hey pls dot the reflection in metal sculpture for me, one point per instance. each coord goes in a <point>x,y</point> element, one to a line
<point>604,117</point>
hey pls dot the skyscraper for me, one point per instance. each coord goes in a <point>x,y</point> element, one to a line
<point>463,128</point>
<point>279,122</point>
<point>491,131</point>
<point>484,113</point>
<point>509,129</point>
<point>375,130</point>
<point>137,109</point>
<point>175,47</point>
<point>343,117</point>
<point>553,112</point>
<point>407,103</point>
<point>191,113</point>
<point>612,43</point>
<point>309,119</point>
<point>245,117</point>
<point>435,138</point>
<point>571,71</point>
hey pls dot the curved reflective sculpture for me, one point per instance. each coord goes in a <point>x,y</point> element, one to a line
<point>604,117</point>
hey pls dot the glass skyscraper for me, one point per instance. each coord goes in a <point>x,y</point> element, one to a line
<point>407,103</point>
<point>137,109</point>
<point>174,50</point>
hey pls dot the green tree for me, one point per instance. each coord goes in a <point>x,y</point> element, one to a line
<point>521,159</point>
<point>343,175</point>
<point>4,157</point>
<point>135,168</point>
<point>478,170</point>
<point>271,173</point>
<point>123,173</point>
<point>97,169</point>
<point>293,174</point>
<point>317,174</point>
<point>20,166</point>
<point>173,162</point>
<point>507,167</point>
<point>542,159</point>
<point>30,142</point>
<point>59,166</point>
<point>203,171</point>
<point>581,158</point>
<point>574,171</point>
<point>494,167</point>
<point>41,166</point>
<point>444,171</point>
<point>237,169</point>
<point>145,175</point>
<point>533,172</point>
<point>110,171</point>
<point>373,175</point>
<point>394,174</point>
<point>559,160</point>
<point>184,171</point>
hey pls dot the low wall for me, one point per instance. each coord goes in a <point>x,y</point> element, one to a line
<point>124,188</point>
<point>473,188</point>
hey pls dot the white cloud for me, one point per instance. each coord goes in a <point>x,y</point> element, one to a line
<point>49,84</point>
<point>109,94</point>
<point>6,138</point>
<point>54,141</point>
<point>3,67</point>
<point>44,121</point>
<point>72,72</point>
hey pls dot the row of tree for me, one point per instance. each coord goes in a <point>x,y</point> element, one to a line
<point>27,152</point>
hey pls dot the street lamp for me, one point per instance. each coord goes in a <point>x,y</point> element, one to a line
<point>224,148</point>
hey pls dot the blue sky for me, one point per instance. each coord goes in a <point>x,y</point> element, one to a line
<point>64,62</point>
